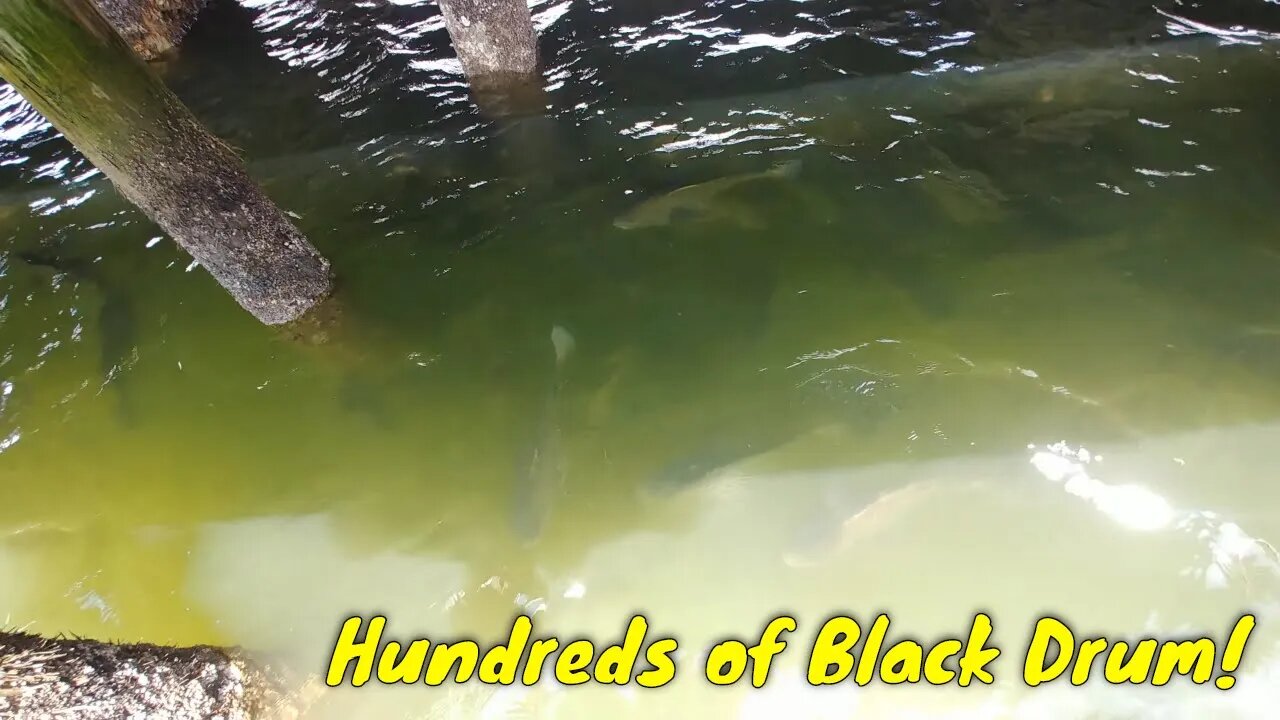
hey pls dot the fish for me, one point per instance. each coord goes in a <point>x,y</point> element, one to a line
<point>753,448</point>
<point>1075,127</point>
<point>698,201</point>
<point>847,511</point>
<point>716,454</point>
<point>966,195</point>
<point>367,397</point>
<point>542,469</point>
<point>117,325</point>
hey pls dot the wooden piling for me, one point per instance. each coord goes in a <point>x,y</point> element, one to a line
<point>65,58</point>
<point>498,48</point>
<point>152,27</point>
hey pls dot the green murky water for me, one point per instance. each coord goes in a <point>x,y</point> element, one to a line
<point>1003,341</point>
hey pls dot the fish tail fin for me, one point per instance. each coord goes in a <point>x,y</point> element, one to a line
<point>787,169</point>
<point>45,258</point>
<point>126,409</point>
<point>563,342</point>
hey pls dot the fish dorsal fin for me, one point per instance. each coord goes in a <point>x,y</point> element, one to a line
<point>786,169</point>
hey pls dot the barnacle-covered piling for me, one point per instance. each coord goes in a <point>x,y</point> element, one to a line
<point>92,680</point>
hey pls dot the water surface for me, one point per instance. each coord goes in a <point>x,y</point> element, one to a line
<point>1007,340</point>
